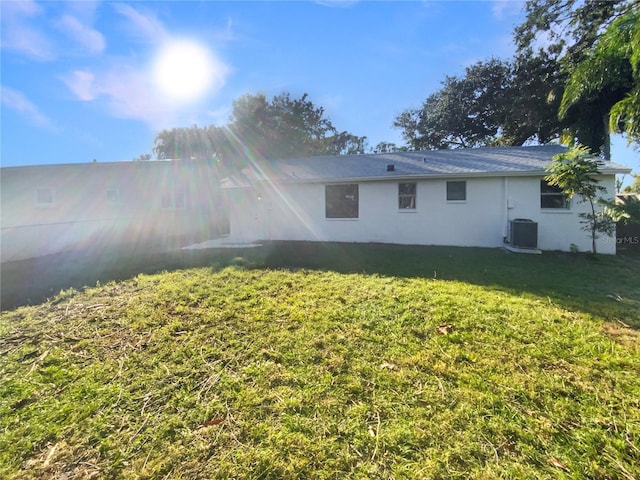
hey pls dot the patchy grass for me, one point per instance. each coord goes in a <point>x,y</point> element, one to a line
<point>353,362</point>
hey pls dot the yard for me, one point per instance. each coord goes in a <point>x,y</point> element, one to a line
<point>321,361</point>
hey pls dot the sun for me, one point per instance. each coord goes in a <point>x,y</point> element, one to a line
<point>183,70</point>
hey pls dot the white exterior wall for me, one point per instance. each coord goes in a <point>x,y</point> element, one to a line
<point>297,212</point>
<point>557,228</point>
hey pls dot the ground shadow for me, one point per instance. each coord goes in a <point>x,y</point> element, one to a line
<point>607,286</point>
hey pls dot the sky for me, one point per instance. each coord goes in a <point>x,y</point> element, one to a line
<point>91,80</point>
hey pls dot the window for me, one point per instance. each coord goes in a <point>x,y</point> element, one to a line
<point>166,200</point>
<point>456,191</point>
<point>341,201</point>
<point>552,196</point>
<point>407,196</point>
<point>173,200</point>
<point>45,197</point>
<point>179,200</point>
<point>113,196</point>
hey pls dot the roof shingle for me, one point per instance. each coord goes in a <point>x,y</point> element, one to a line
<point>489,161</point>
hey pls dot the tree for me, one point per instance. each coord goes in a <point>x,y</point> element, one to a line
<point>531,100</point>
<point>184,143</point>
<point>626,211</point>
<point>495,103</point>
<point>387,147</point>
<point>575,77</point>
<point>634,187</point>
<point>593,43</point>
<point>609,79</point>
<point>278,129</point>
<point>574,173</point>
<point>567,28</point>
<point>621,44</point>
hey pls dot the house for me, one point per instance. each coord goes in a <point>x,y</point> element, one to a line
<point>465,197</point>
<point>48,209</point>
<point>485,197</point>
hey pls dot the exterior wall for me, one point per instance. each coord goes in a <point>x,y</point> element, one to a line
<point>558,229</point>
<point>297,212</point>
<point>151,204</point>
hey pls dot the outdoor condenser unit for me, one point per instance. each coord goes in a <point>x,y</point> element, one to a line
<point>523,233</point>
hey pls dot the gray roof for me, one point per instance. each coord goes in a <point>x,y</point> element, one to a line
<point>472,162</point>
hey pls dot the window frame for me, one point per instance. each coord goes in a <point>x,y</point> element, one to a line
<point>553,192</point>
<point>45,204</point>
<point>166,200</point>
<point>412,197</point>
<point>451,192</point>
<point>176,199</point>
<point>115,198</point>
<point>179,199</point>
<point>341,211</point>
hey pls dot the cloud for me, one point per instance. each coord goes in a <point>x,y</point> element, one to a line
<point>82,85</point>
<point>506,8</point>
<point>91,40</point>
<point>24,7</point>
<point>18,33</point>
<point>17,102</point>
<point>220,116</point>
<point>126,91</point>
<point>126,88</point>
<point>24,30</point>
<point>145,26</point>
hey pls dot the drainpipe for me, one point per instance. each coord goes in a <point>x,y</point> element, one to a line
<point>505,189</point>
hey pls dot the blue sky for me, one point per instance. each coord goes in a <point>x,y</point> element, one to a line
<point>88,80</point>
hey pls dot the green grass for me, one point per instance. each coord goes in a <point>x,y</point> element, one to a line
<point>354,361</point>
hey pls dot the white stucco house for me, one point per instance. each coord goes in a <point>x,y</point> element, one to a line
<point>467,197</point>
<point>48,209</point>
<point>484,197</point>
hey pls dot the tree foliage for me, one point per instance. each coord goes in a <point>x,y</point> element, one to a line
<point>634,187</point>
<point>621,44</point>
<point>282,128</point>
<point>626,211</point>
<point>594,44</point>
<point>575,76</point>
<point>387,147</point>
<point>574,172</point>
<point>567,28</point>
<point>494,103</point>
<point>457,114</point>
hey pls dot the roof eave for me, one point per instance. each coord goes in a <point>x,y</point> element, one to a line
<point>421,176</point>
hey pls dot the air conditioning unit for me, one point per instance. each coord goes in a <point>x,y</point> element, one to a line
<point>523,233</point>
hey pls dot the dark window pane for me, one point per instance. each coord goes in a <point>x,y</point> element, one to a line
<point>552,196</point>
<point>407,188</point>
<point>553,201</point>
<point>407,195</point>
<point>407,202</point>
<point>457,190</point>
<point>341,201</point>
<point>546,188</point>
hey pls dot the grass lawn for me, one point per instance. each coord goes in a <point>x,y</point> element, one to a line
<point>328,361</point>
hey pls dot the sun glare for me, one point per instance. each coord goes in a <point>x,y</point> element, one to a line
<point>183,70</point>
